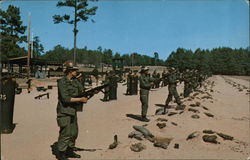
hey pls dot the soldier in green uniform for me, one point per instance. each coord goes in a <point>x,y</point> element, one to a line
<point>146,82</point>
<point>95,74</point>
<point>134,83</point>
<point>113,84</point>
<point>68,88</point>
<point>154,75</point>
<point>164,78</point>
<point>129,81</point>
<point>172,82</point>
<point>187,78</point>
<point>106,89</point>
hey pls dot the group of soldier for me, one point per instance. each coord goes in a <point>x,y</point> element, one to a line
<point>69,101</point>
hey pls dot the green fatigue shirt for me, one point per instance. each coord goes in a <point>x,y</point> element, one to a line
<point>66,90</point>
<point>145,83</point>
<point>172,79</point>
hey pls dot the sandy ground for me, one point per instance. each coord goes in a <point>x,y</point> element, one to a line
<point>36,127</point>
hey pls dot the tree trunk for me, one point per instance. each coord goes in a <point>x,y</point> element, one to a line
<point>75,31</point>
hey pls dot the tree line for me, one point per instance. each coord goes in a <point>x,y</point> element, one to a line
<point>98,56</point>
<point>222,60</point>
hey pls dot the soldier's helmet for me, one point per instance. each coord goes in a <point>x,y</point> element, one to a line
<point>69,66</point>
<point>143,69</point>
<point>171,69</point>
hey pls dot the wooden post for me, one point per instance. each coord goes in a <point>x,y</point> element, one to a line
<point>28,58</point>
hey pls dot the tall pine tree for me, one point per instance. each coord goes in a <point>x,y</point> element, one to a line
<point>12,31</point>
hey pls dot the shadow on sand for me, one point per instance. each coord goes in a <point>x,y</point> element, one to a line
<point>137,117</point>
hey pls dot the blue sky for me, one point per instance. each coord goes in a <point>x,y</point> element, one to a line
<point>144,26</point>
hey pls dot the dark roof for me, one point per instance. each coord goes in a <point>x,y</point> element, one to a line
<point>33,61</point>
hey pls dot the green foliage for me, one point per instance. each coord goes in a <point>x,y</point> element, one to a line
<point>95,57</point>
<point>223,60</point>
<point>81,13</point>
<point>38,49</point>
<point>12,32</point>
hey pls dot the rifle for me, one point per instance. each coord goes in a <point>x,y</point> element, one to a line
<point>90,93</point>
<point>41,95</point>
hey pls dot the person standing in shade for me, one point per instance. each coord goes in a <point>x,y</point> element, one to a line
<point>154,75</point>
<point>129,83</point>
<point>172,92</point>
<point>146,82</point>
<point>164,78</point>
<point>106,89</point>
<point>134,83</point>
<point>113,84</point>
<point>187,83</point>
<point>68,88</point>
<point>95,73</point>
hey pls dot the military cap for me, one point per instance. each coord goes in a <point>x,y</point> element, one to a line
<point>143,69</point>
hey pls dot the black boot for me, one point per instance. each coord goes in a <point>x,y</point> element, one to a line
<point>62,156</point>
<point>71,154</point>
<point>145,119</point>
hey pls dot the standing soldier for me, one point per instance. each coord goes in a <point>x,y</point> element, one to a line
<point>134,84</point>
<point>154,75</point>
<point>68,88</point>
<point>129,83</point>
<point>158,76</point>
<point>95,74</point>
<point>113,84</point>
<point>172,82</point>
<point>145,84</point>
<point>106,89</point>
<point>187,78</point>
<point>164,78</point>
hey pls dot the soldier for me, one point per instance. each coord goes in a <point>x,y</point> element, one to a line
<point>172,82</point>
<point>68,88</point>
<point>113,84</point>
<point>187,78</point>
<point>95,74</point>
<point>154,75</point>
<point>129,81</point>
<point>106,89</point>
<point>134,83</point>
<point>164,78</point>
<point>145,84</point>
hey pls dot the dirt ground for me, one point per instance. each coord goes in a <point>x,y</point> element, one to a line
<point>36,127</point>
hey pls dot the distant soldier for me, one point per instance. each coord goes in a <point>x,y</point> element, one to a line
<point>187,78</point>
<point>164,78</point>
<point>106,89</point>
<point>68,88</point>
<point>146,82</point>
<point>129,83</point>
<point>172,83</point>
<point>95,74</point>
<point>113,84</point>
<point>154,75</point>
<point>134,83</point>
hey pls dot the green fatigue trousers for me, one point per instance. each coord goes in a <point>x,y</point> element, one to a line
<point>187,89</point>
<point>68,132</point>
<point>113,93</point>
<point>172,92</point>
<point>106,94</point>
<point>144,93</point>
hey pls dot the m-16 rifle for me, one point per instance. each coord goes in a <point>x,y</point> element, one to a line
<point>91,92</point>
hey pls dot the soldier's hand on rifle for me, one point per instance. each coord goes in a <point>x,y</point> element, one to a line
<point>152,83</point>
<point>83,99</point>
